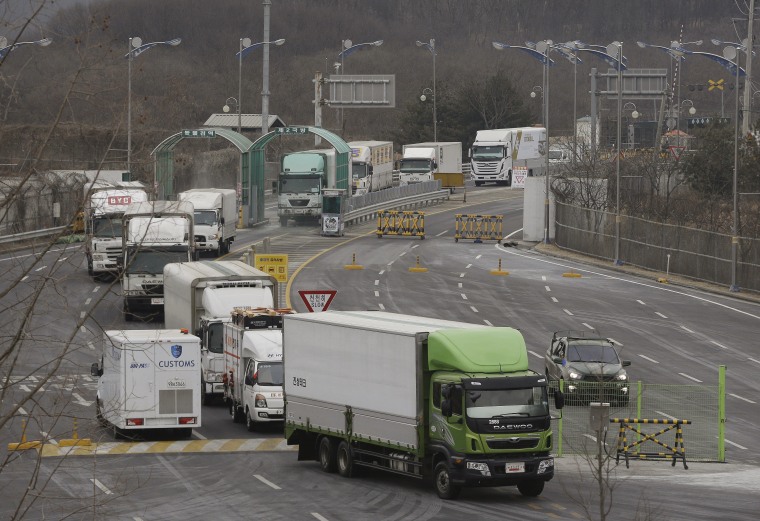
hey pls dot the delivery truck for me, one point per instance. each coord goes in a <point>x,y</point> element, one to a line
<point>371,166</point>
<point>253,366</point>
<point>147,380</point>
<point>215,218</point>
<point>420,161</point>
<point>200,296</point>
<point>495,153</point>
<point>417,396</point>
<point>303,177</point>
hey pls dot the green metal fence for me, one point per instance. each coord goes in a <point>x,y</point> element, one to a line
<point>703,405</point>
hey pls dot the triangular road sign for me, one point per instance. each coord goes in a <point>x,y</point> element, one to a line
<point>317,300</point>
<point>676,151</point>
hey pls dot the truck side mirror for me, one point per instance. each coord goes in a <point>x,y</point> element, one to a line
<point>222,220</point>
<point>559,399</point>
<point>95,370</point>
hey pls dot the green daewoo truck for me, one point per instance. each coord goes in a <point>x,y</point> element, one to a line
<point>417,396</point>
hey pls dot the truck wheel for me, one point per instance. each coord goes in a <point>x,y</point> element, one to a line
<point>443,485</point>
<point>99,414</point>
<point>478,183</point>
<point>90,271</point>
<point>249,423</point>
<point>530,488</point>
<point>345,459</point>
<point>235,412</point>
<point>327,454</point>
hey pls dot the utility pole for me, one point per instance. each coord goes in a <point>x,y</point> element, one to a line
<point>748,67</point>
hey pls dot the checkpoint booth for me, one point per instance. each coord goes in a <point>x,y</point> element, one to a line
<point>333,211</point>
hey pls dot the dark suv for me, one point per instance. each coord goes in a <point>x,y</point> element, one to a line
<point>590,367</point>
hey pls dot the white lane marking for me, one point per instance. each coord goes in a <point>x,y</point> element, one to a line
<point>90,345</point>
<point>402,254</point>
<point>641,302</point>
<point>101,486</point>
<point>650,359</point>
<point>543,277</point>
<point>22,411</point>
<point>659,287</point>
<point>666,415</point>
<point>199,436</point>
<point>719,345</point>
<point>377,282</point>
<point>735,444</point>
<point>741,398</point>
<point>415,246</point>
<point>588,326</point>
<point>487,322</point>
<point>24,278</point>
<point>87,302</point>
<point>96,289</point>
<point>381,272</point>
<point>686,329</point>
<point>391,262</point>
<point>621,344</point>
<point>83,329</point>
<point>377,293</point>
<point>442,233</point>
<point>593,438</point>
<point>62,259</point>
<point>568,312</point>
<point>459,284</point>
<point>46,436</point>
<point>554,299</point>
<point>40,269</point>
<point>535,354</point>
<point>137,519</point>
<point>80,400</point>
<point>464,297</point>
<point>266,481</point>
<point>82,314</point>
<point>547,288</point>
<point>660,314</point>
<point>381,307</point>
<point>474,309</point>
<point>468,266</point>
<point>461,275</point>
<point>321,518</point>
<point>753,360</point>
<point>24,388</point>
<point>691,378</point>
<point>478,256</point>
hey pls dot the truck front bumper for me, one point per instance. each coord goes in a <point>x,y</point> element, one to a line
<point>269,415</point>
<point>500,471</point>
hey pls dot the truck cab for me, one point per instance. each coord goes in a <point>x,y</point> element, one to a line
<point>303,176</point>
<point>417,166</point>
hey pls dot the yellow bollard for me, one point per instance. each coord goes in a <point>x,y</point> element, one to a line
<point>74,441</point>
<point>417,268</point>
<point>353,265</point>
<point>499,271</point>
<point>24,445</point>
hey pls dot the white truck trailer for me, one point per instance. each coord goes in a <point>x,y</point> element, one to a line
<point>417,396</point>
<point>156,233</point>
<point>253,366</point>
<point>215,219</point>
<point>102,223</point>
<point>421,160</point>
<point>148,379</point>
<point>200,296</point>
<point>371,166</point>
<point>495,153</point>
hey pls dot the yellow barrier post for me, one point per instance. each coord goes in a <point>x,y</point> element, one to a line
<point>24,445</point>
<point>572,274</point>
<point>75,441</point>
<point>353,265</point>
<point>417,268</point>
<point>499,270</point>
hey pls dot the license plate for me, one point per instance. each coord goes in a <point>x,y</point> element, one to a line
<point>513,468</point>
<point>157,301</point>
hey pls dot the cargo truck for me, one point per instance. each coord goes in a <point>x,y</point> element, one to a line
<point>303,176</point>
<point>421,160</point>
<point>417,396</point>
<point>371,166</point>
<point>215,218</point>
<point>200,296</point>
<point>102,223</point>
<point>495,152</point>
<point>147,380</point>
<point>156,233</point>
<point>253,366</point>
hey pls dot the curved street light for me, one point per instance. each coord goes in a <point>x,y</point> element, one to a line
<point>430,46</point>
<point>136,48</point>
<point>348,47</point>
<point>245,48</point>
<point>6,49</point>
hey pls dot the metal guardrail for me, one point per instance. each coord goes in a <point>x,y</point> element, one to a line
<point>29,236</point>
<point>367,206</point>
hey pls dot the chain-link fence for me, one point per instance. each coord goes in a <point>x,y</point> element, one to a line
<point>690,252</point>
<point>574,434</point>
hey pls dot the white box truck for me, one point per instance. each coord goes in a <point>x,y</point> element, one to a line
<point>102,223</point>
<point>200,297</point>
<point>371,166</point>
<point>495,152</point>
<point>148,379</point>
<point>215,218</point>
<point>417,396</point>
<point>155,234</point>
<point>253,366</point>
<point>420,161</point>
<point>303,176</point>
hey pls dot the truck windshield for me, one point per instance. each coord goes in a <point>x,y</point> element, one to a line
<point>205,217</point>
<point>216,337</point>
<point>359,170</point>
<point>532,401</point>
<point>106,227</point>
<point>487,152</point>
<point>290,184</point>
<point>152,261</point>
<point>269,373</point>
<point>415,165</point>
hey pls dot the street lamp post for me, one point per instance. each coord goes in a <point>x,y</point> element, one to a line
<point>246,47</point>
<point>732,53</point>
<point>135,49</point>
<point>430,46</point>
<point>615,49</point>
<point>6,49</point>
